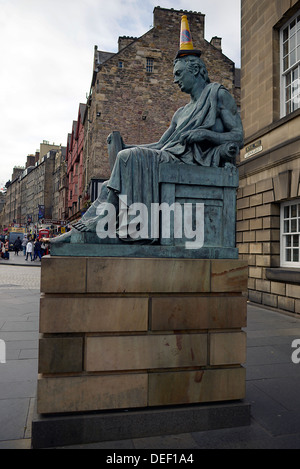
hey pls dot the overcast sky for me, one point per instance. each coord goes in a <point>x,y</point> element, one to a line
<point>46,52</point>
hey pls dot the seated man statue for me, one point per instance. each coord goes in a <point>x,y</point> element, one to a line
<point>205,132</point>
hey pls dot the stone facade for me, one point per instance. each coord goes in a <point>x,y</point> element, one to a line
<point>270,161</point>
<point>60,186</point>
<point>12,208</point>
<point>36,189</point>
<point>132,91</point>
<point>43,184</point>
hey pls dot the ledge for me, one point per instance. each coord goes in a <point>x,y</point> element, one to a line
<point>283,275</point>
<point>141,251</point>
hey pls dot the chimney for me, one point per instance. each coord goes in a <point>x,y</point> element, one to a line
<point>170,19</point>
<point>216,42</point>
<point>124,41</point>
<point>30,161</point>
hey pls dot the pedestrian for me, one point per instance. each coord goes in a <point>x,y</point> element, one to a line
<point>29,248</point>
<point>6,249</point>
<point>2,250</point>
<point>24,243</point>
<point>37,250</point>
<point>17,246</point>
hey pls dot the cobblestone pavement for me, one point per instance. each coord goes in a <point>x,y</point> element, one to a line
<point>12,277</point>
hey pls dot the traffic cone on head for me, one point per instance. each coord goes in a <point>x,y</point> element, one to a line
<point>186,43</point>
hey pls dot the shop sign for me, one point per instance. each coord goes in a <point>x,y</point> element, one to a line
<point>253,149</point>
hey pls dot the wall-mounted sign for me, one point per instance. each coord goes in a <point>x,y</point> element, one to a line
<point>253,149</point>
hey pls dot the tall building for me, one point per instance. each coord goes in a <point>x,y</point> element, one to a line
<point>60,187</point>
<point>132,91</point>
<point>268,226</point>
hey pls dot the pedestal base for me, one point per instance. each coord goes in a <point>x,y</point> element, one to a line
<point>67,430</point>
<point>139,333</point>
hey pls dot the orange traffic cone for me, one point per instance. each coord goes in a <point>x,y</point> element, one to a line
<point>186,43</point>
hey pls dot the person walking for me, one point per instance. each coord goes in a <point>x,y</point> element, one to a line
<point>6,249</point>
<point>24,243</point>
<point>17,246</point>
<point>29,248</point>
<point>37,250</point>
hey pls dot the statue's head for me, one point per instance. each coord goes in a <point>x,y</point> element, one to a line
<point>192,64</point>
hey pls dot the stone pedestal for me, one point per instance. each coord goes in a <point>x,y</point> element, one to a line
<point>139,333</point>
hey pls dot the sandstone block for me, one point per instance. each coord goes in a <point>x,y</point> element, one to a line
<point>229,275</point>
<point>88,393</point>
<point>200,312</point>
<point>93,314</point>
<point>227,348</point>
<point>185,387</point>
<point>63,275</point>
<point>60,354</point>
<point>135,275</point>
<point>141,352</point>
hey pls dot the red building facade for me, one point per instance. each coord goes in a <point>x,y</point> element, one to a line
<point>74,158</point>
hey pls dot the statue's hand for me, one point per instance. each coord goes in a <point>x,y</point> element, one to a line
<point>194,136</point>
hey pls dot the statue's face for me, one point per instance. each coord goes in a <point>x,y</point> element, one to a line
<point>183,77</point>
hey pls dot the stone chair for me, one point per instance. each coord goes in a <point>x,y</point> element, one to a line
<point>215,187</point>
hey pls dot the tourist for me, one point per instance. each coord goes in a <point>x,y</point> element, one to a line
<point>17,246</point>
<point>24,243</point>
<point>29,249</point>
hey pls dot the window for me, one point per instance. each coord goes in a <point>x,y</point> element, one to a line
<point>149,65</point>
<point>290,234</point>
<point>120,64</point>
<point>290,65</point>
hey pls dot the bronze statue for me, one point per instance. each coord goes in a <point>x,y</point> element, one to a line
<point>205,132</point>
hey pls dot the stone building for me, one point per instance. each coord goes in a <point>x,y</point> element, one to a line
<point>133,91</point>
<point>36,187</point>
<point>268,215</point>
<point>37,191</point>
<point>12,208</point>
<point>2,204</point>
<point>60,186</point>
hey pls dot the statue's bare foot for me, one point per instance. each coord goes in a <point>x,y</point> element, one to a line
<point>64,238</point>
<point>87,225</point>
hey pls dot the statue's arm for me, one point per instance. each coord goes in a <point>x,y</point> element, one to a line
<point>228,127</point>
<point>230,118</point>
